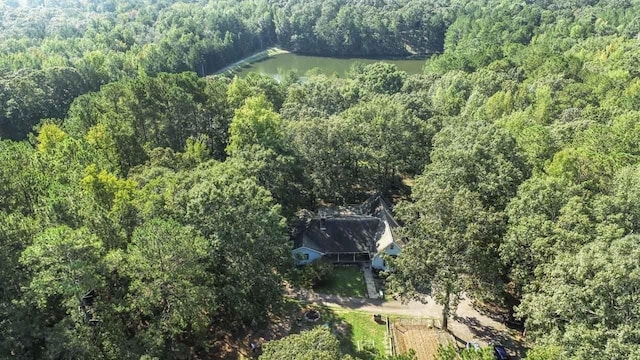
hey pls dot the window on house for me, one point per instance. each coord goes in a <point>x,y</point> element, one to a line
<point>305,257</point>
<point>391,247</point>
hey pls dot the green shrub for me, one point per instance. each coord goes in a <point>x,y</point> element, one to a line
<point>316,273</point>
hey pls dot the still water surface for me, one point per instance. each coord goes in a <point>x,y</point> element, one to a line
<point>278,65</point>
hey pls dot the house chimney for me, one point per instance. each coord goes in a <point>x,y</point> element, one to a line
<point>323,223</point>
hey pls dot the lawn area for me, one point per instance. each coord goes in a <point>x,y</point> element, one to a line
<point>344,281</point>
<point>359,334</point>
<point>365,332</point>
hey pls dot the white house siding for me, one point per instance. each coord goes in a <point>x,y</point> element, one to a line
<point>378,262</point>
<point>300,252</point>
<point>386,239</point>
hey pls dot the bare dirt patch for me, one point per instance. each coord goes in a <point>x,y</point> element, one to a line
<point>420,335</point>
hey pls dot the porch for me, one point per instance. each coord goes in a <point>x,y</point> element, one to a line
<point>347,257</point>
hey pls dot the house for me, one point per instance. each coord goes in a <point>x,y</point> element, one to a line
<point>350,234</point>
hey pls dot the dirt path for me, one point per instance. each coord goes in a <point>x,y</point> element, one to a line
<point>468,325</point>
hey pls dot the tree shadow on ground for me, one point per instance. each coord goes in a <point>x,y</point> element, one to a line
<point>398,188</point>
<point>491,335</point>
<point>282,322</point>
<point>345,334</point>
<point>288,318</point>
<point>344,301</point>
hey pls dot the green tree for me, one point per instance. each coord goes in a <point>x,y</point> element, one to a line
<point>449,93</point>
<point>320,95</point>
<point>250,250</point>
<point>65,262</point>
<point>584,166</point>
<point>451,352</point>
<point>330,159</point>
<point>586,301</point>
<point>166,264</point>
<point>456,219</point>
<point>255,123</point>
<point>128,118</point>
<point>617,210</point>
<point>545,353</point>
<point>450,247</point>
<point>68,274</point>
<point>379,128</point>
<point>20,181</point>
<point>315,273</point>
<point>255,85</point>
<point>548,216</point>
<point>280,173</point>
<point>20,331</point>
<point>380,78</point>
<point>317,343</point>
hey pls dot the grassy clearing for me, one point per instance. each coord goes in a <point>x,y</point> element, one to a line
<point>344,281</point>
<point>365,332</point>
<point>358,333</point>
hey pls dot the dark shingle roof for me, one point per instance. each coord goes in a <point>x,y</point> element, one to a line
<point>357,228</point>
<point>349,234</point>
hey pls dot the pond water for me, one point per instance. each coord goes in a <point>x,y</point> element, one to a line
<point>278,65</point>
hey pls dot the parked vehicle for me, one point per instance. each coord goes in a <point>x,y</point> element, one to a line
<point>500,352</point>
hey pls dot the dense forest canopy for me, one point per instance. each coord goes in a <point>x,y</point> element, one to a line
<point>53,51</point>
<point>144,207</point>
